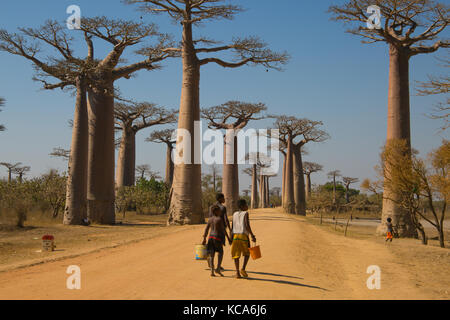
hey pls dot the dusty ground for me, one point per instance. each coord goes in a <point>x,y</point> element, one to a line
<point>300,261</point>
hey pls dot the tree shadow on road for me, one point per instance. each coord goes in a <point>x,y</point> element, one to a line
<point>274,274</point>
<point>286,282</point>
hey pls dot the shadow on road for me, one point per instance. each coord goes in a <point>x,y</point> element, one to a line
<point>274,274</point>
<point>287,282</point>
<point>277,281</point>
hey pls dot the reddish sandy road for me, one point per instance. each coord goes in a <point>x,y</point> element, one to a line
<point>300,261</point>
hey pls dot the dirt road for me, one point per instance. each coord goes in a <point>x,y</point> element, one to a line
<point>300,261</point>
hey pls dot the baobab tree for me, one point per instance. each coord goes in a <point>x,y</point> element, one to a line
<point>297,132</point>
<point>10,167</point>
<point>347,182</point>
<point>60,153</point>
<point>166,137</point>
<point>253,172</point>
<point>144,170</point>
<point>232,116</point>
<point>410,28</point>
<point>333,175</point>
<point>120,35</point>
<point>71,72</point>
<point>308,169</point>
<point>91,164</point>
<point>21,171</point>
<point>186,205</point>
<point>2,102</point>
<point>130,119</point>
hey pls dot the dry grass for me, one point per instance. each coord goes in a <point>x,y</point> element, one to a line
<point>427,265</point>
<point>21,246</point>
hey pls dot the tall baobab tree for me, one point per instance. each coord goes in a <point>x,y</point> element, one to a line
<point>186,206</point>
<point>347,182</point>
<point>120,35</point>
<point>308,169</point>
<point>410,28</point>
<point>130,119</point>
<point>333,175</point>
<point>166,137</point>
<point>253,172</point>
<point>232,116</point>
<point>21,171</point>
<point>298,132</point>
<point>2,102</point>
<point>91,164</point>
<point>71,72</point>
<point>10,167</point>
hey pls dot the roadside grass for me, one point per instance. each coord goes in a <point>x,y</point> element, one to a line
<point>23,245</point>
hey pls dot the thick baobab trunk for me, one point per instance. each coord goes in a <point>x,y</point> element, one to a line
<point>267,192</point>
<point>75,210</point>
<point>186,202</point>
<point>398,128</point>
<point>126,163</point>
<point>254,204</point>
<point>230,178</point>
<point>289,205</point>
<point>100,193</point>
<point>9,175</point>
<point>262,191</point>
<point>299,182</point>
<point>308,186</point>
<point>20,178</point>
<point>169,165</point>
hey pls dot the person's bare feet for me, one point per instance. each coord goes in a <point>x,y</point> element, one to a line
<point>219,272</point>
<point>244,273</point>
<point>212,274</point>
<point>238,276</point>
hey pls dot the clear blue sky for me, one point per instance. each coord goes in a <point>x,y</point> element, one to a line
<point>331,77</point>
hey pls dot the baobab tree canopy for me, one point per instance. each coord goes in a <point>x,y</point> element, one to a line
<point>130,119</point>
<point>166,137</point>
<point>409,28</point>
<point>311,167</point>
<point>232,116</point>
<point>407,24</point>
<point>186,207</point>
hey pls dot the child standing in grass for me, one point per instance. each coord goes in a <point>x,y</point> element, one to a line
<point>390,230</point>
<point>240,231</point>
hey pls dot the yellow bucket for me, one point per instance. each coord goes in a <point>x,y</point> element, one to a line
<point>200,252</point>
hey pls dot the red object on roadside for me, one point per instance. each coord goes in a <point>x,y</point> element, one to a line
<point>48,237</point>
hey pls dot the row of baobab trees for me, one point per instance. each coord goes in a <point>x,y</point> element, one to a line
<point>410,28</point>
<point>91,176</point>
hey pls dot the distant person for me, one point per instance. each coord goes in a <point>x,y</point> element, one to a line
<point>223,215</point>
<point>390,230</point>
<point>216,241</point>
<point>240,231</point>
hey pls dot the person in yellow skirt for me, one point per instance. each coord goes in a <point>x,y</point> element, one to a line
<point>241,229</point>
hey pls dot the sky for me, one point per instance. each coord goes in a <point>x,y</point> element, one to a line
<point>331,77</point>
